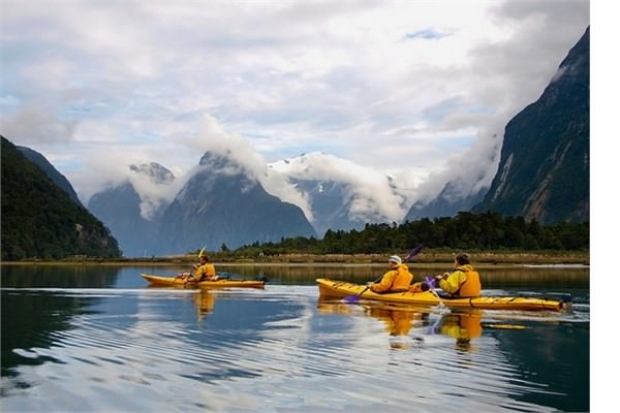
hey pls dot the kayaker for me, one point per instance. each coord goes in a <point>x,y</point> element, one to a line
<point>396,279</point>
<point>464,281</point>
<point>205,271</point>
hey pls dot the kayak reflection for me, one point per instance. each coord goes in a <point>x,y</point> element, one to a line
<point>462,326</point>
<point>204,300</point>
<point>398,321</point>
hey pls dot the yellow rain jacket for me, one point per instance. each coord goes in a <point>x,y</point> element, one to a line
<point>463,282</point>
<point>394,280</point>
<point>205,272</point>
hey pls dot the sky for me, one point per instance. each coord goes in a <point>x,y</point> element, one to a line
<point>406,88</point>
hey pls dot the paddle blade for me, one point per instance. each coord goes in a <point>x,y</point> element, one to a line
<point>355,297</point>
<point>201,253</point>
<point>413,253</point>
<point>351,299</point>
<point>430,281</point>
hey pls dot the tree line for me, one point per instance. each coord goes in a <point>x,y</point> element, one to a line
<point>487,231</point>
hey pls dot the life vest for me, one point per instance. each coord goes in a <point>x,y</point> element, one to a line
<point>205,272</point>
<point>471,287</point>
<point>394,280</point>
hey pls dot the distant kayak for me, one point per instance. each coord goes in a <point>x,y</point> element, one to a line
<point>343,289</point>
<point>159,281</point>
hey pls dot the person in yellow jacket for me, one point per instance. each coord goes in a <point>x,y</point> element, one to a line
<point>463,282</point>
<point>205,271</point>
<point>396,279</point>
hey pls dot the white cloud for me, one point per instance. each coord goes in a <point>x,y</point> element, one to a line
<point>402,87</point>
<point>217,141</point>
<point>368,187</point>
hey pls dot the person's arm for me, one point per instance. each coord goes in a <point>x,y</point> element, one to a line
<point>189,276</point>
<point>452,282</point>
<point>386,282</point>
<point>197,276</point>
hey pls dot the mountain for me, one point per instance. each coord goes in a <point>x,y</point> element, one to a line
<point>330,202</point>
<point>448,203</point>
<point>134,218</point>
<point>222,204</point>
<point>236,209</point>
<point>58,178</point>
<point>544,169</point>
<point>545,150</point>
<point>341,194</point>
<point>40,219</point>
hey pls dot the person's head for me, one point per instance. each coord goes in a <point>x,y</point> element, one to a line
<point>461,258</point>
<point>394,260</point>
<point>204,259</point>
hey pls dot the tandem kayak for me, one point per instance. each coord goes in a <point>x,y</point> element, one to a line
<point>342,289</point>
<point>159,281</point>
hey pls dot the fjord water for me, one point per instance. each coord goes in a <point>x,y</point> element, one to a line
<point>97,339</point>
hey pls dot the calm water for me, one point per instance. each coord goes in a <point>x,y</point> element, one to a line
<point>83,339</point>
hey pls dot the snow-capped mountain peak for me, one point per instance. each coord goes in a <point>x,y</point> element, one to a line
<point>341,193</point>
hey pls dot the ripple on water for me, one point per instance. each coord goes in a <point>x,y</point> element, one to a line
<point>156,356</point>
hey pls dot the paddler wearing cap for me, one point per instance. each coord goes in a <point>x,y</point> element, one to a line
<point>396,279</point>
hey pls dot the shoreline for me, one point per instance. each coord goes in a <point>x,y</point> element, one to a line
<point>431,257</point>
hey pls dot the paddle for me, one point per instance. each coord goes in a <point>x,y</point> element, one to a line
<point>354,298</point>
<point>431,286</point>
<point>191,273</point>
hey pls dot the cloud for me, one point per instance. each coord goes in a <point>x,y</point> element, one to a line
<point>393,86</point>
<point>39,122</point>
<point>370,191</point>
<point>215,139</point>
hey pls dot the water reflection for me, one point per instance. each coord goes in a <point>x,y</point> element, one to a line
<point>205,301</point>
<point>58,276</point>
<point>463,326</point>
<point>127,347</point>
<point>36,320</point>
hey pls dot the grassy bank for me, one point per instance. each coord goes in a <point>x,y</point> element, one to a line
<point>429,256</point>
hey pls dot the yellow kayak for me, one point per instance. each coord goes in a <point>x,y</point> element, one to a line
<point>159,281</point>
<point>343,289</point>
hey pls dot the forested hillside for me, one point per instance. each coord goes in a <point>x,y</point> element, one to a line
<point>40,220</point>
<point>467,231</point>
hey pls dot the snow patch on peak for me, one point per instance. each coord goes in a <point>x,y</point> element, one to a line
<point>372,195</point>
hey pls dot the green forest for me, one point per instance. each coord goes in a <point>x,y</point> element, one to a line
<point>487,231</point>
<point>40,220</point>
